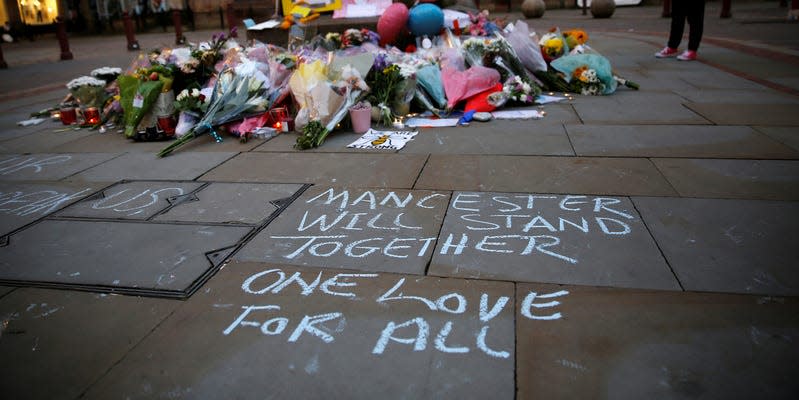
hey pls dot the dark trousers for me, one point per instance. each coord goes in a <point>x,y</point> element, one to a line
<point>694,12</point>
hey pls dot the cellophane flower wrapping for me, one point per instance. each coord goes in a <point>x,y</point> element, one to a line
<point>553,45</point>
<point>462,85</point>
<point>233,96</point>
<point>567,64</point>
<point>136,98</point>
<point>527,48</point>
<point>310,88</point>
<point>88,91</point>
<point>429,78</point>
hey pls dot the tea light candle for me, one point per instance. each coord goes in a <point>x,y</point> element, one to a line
<point>398,123</point>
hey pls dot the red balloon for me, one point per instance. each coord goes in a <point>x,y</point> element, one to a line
<point>392,23</point>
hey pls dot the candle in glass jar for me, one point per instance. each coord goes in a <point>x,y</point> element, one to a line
<point>91,115</point>
<point>167,123</point>
<point>68,115</point>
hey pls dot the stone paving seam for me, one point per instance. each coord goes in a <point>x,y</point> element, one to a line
<point>421,170</point>
<point>130,349</point>
<point>67,178</point>
<point>654,239</point>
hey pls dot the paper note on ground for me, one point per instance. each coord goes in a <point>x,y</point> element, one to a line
<point>383,140</point>
<point>518,114</point>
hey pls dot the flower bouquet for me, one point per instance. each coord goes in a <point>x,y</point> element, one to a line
<point>327,96</point>
<point>589,74</point>
<point>88,91</point>
<point>232,97</point>
<point>190,103</point>
<point>516,90</point>
<point>553,45</point>
<point>107,74</point>
<point>385,81</point>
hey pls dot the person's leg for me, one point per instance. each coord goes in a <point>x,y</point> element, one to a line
<point>679,11</point>
<point>696,22</point>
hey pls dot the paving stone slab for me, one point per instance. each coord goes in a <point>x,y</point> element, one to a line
<point>138,200</point>
<point>45,140</point>
<point>638,108</point>
<point>620,176</point>
<point>675,141</point>
<point>574,239</point>
<point>255,332</point>
<point>4,290</point>
<point>364,170</point>
<point>118,256</point>
<point>21,204</point>
<point>115,141</point>
<point>525,137</point>
<point>336,142</point>
<point>69,339</point>
<point>739,246</point>
<point>788,136</point>
<point>747,179</point>
<point>240,203</point>
<point>748,114</point>
<point>372,230</point>
<point>604,343</point>
<point>727,96</point>
<point>141,166</point>
<point>48,167</point>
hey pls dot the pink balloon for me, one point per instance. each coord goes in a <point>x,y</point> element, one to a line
<point>392,23</point>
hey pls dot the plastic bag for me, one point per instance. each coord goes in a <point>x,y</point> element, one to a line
<point>527,48</point>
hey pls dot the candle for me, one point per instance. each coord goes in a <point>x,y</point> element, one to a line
<point>91,115</point>
<point>167,123</point>
<point>68,115</point>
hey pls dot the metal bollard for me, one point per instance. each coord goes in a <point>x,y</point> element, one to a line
<point>725,9</point>
<point>132,43</point>
<point>176,21</point>
<point>63,42</point>
<point>3,64</point>
<point>231,20</point>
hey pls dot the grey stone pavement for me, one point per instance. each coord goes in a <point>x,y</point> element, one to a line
<point>638,245</point>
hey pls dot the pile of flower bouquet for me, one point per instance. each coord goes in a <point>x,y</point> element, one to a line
<point>222,88</point>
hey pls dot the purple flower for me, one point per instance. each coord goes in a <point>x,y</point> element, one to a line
<point>381,62</point>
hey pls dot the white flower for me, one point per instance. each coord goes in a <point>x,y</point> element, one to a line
<point>407,70</point>
<point>526,87</point>
<point>182,95</point>
<point>107,71</point>
<point>194,92</point>
<point>84,81</point>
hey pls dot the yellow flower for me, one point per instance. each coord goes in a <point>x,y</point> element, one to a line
<point>575,37</point>
<point>578,73</point>
<point>554,46</point>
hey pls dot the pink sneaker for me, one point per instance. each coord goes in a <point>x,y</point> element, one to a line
<point>687,55</point>
<point>666,52</point>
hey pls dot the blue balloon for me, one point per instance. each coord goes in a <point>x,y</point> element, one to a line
<point>425,19</point>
